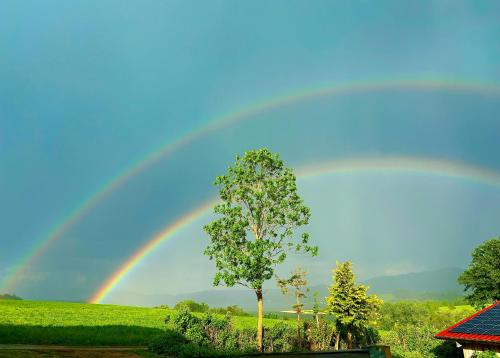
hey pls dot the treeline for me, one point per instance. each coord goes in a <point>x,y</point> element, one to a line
<point>409,327</point>
<point>7,296</point>
<point>202,307</point>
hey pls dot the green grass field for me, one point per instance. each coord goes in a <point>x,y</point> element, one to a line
<point>80,324</point>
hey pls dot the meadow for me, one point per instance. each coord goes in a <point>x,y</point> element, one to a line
<point>81,324</point>
<point>408,327</point>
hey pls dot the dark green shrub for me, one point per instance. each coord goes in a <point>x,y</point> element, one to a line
<point>319,335</point>
<point>191,306</point>
<point>366,336</point>
<point>217,330</point>
<point>232,310</point>
<point>196,335</point>
<point>485,354</point>
<point>7,296</point>
<point>199,337</point>
<point>272,315</point>
<point>447,349</point>
<point>246,339</point>
<point>414,340</point>
<point>183,320</point>
<point>174,344</point>
<point>168,343</point>
<point>281,338</point>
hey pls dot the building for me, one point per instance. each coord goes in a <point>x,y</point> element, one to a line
<point>479,332</point>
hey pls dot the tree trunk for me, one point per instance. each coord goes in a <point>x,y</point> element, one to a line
<point>337,341</point>
<point>349,340</point>
<point>260,315</point>
<point>298,322</point>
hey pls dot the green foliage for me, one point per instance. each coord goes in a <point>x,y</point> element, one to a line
<point>259,198</point>
<point>409,327</point>
<point>233,310</point>
<point>349,302</point>
<point>319,335</point>
<point>275,315</point>
<point>316,306</point>
<point>482,277</point>
<point>297,281</point>
<point>257,219</point>
<point>485,354</point>
<point>191,306</point>
<point>281,338</point>
<point>163,307</point>
<point>418,341</point>
<point>434,313</point>
<point>200,336</point>
<point>167,344</point>
<point>173,344</point>
<point>79,324</point>
<point>7,296</point>
<point>109,325</point>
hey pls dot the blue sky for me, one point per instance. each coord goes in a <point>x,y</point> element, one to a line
<point>89,87</point>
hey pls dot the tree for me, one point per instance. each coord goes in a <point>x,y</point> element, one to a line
<point>258,216</point>
<point>349,303</point>
<point>7,296</point>
<point>191,306</point>
<point>297,281</point>
<point>316,308</point>
<point>482,277</point>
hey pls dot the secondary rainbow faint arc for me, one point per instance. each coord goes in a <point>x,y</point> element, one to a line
<point>384,165</point>
<point>216,123</point>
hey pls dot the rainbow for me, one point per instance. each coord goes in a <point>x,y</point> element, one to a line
<point>410,165</point>
<point>217,123</point>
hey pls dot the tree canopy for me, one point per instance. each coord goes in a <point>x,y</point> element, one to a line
<point>349,302</point>
<point>259,212</point>
<point>482,278</point>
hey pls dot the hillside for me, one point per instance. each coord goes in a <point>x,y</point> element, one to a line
<point>437,284</point>
<point>427,285</point>
<point>80,324</point>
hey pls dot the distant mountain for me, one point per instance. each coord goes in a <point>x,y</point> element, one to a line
<point>436,284</point>
<point>274,299</point>
<point>427,285</point>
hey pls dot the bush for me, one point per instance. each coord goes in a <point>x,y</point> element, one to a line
<point>319,335</point>
<point>168,344</point>
<point>246,339</point>
<point>232,310</point>
<point>271,315</point>
<point>281,338</point>
<point>7,296</point>
<point>163,307</point>
<point>485,354</point>
<point>191,306</point>
<point>183,320</point>
<point>199,337</point>
<point>176,345</point>
<point>448,349</point>
<point>413,341</point>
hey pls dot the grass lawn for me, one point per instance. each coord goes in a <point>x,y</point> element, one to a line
<point>74,354</point>
<point>81,324</point>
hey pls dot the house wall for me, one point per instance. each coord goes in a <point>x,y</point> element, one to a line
<point>470,348</point>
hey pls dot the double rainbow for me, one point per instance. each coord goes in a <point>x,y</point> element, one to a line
<point>425,166</point>
<point>217,123</point>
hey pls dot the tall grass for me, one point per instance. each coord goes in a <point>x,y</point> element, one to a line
<point>80,324</point>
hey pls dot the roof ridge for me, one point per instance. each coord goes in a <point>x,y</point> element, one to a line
<point>448,334</point>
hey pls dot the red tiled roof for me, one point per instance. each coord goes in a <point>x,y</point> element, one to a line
<point>472,337</point>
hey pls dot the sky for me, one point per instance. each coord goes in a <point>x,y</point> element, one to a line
<point>90,88</point>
